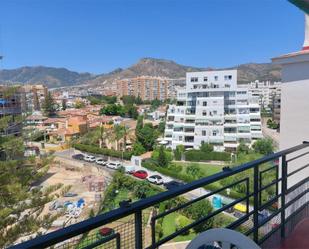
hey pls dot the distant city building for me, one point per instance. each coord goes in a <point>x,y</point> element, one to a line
<point>212,109</point>
<point>34,96</point>
<point>10,105</point>
<point>276,105</point>
<point>264,91</point>
<point>148,87</point>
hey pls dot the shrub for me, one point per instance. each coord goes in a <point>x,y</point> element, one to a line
<point>197,155</point>
<point>205,147</point>
<point>178,152</point>
<point>198,211</point>
<point>243,148</point>
<point>264,146</point>
<point>102,151</point>
<point>168,154</point>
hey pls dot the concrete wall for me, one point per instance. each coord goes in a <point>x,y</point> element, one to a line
<point>295,112</point>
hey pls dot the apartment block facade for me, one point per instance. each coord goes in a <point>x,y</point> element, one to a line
<point>264,91</point>
<point>212,109</point>
<point>147,87</point>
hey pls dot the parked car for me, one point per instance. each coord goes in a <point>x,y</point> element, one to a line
<point>156,179</point>
<point>129,169</point>
<point>100,161</point>
<point>141,174</point>
<point>89,158</point>
<point>78,156</point>
<point>172,185</point>
<point>113,165</point>
<point>69,194</point>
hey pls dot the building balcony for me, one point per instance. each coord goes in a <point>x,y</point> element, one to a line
<point>276,220</point>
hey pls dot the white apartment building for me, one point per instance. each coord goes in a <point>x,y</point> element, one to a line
<point>212,109</point>
<point>264,91</point>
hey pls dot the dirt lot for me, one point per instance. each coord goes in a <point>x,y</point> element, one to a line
<point>69,174</point>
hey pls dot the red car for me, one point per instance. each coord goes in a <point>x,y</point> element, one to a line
<point>142,174</point>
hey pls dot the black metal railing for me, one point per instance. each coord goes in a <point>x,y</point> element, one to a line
<point>286,203</point>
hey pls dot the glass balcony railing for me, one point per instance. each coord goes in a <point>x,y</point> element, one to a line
<point>269,208</point>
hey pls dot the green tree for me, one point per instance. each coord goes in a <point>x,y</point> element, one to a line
<point>49,105</point>
<point>206,147</point>
<point>194,171</point>
<point>118,134</point>
<point>162,159</point>
<point>138,149</point>
<point>13,148</point>
<point>138,100</point>
<point>197,211</point>
<point>128,100</point>
<point>112,110</point>
<point>264,146</point>
<point>243,148</point>
<point>180,149</point>
<point>132,112</point>
<point>147,136</point>
<point>161,127</point>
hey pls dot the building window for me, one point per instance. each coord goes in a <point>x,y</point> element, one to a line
<point>204,113</point>
<point>216,78</point>
<point>205,78</point>
<point>228,77</point>
<point>194,79</point>
<point>204,103</point>
<point>214,133</point>
<point>203,133</point>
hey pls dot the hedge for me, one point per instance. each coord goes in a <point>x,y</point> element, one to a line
<point>103,151</point>
<point>197,156</point>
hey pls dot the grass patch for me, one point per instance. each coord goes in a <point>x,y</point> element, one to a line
<point>169,227</point>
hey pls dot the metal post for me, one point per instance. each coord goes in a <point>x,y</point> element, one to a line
<point>153,231</point>
<point>256,204</point>
<point>138,230</point>
<point>284,174</point>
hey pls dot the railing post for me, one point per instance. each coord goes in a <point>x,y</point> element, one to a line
<point>153,231</point>
<point>138,230</point>
<point>256,204</point>
<point>284,173</point>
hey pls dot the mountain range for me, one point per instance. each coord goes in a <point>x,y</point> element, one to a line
<point>58,77</point>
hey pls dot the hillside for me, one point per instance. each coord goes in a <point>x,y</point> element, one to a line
<point>57,77</point>
<point>50,76</point>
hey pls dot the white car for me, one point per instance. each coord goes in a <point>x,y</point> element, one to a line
<point>89,158</point>
<point>156,179</point>
<point>100,161</point>
<point>113,165</point>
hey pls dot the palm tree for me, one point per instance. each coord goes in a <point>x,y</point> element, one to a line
<point>103,135</point>
<point>118,134</point>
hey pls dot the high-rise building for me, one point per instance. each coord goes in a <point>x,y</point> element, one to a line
<point>148,87</point>
<point>212,109</point>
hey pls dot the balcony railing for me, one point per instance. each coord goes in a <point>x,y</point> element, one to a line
<point>286,205</point>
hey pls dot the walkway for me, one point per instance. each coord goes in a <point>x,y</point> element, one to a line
<point>299,237</point>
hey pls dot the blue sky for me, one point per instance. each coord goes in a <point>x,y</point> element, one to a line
<point>100,35</point>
